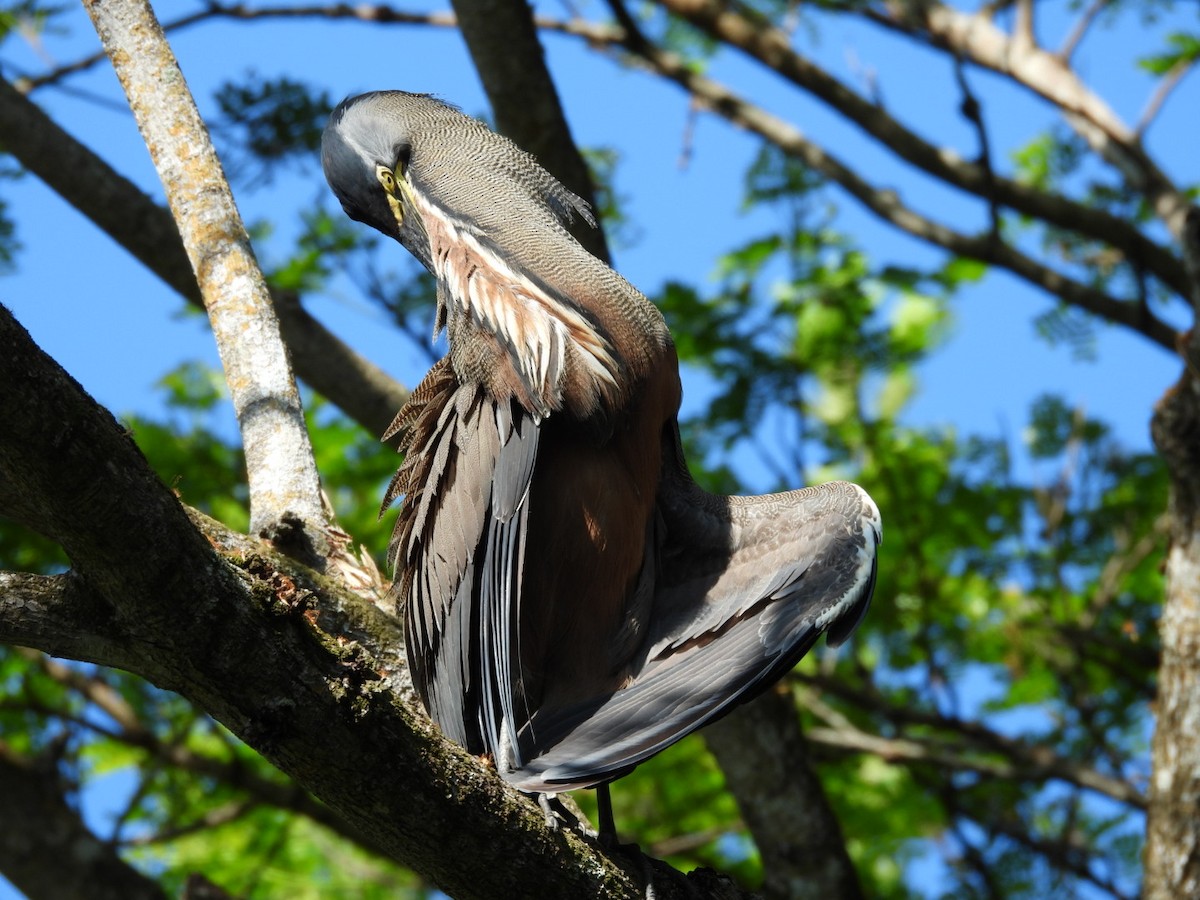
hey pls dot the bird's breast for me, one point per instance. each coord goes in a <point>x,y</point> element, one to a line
<point>592,506</point>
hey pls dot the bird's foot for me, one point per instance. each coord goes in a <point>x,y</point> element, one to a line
<point>559,814</point>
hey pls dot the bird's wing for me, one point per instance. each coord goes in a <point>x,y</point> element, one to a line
<point>744,587</point>
<point>459,544</point>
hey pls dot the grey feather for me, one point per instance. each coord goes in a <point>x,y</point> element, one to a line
<point>727,593</point>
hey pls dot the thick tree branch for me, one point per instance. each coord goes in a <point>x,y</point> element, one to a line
<point>281,471</point>
<point>294,664</point>
<point>46,851</point>
<point>59,614</point>
<point>359,388</point>
<point>764,756</point>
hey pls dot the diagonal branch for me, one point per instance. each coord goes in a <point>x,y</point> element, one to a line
<point>1049,76</point>
<point>304,671</point>
<point>280,467</point>
<point>770,46</point>
<point>119,208</point>
<point>1081,27</point>
<point>887,205</point>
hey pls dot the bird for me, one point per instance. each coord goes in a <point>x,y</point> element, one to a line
<point>573,602</point>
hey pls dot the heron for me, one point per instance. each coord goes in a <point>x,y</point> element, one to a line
<point>573,601</point>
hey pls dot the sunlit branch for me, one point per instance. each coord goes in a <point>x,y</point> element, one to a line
<point>1047,75</point>
<point>280,467</point>
<point>1080,29</point>
<point>1162,91</point>
<point>1024,34</point>
<point>771,47</point>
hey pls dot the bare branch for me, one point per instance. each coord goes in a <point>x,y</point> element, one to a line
<point>361,389</point>
<point>1072,41</point>
<point>1047,75</point>
<point>976,748</point>
<point>972,111</point>
<point>770,46</point>
<point>1162,91</point>
<point>1024,35</point>
<point>281,470</point>
<point>887,205</point>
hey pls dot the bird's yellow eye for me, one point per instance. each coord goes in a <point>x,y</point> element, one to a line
<point>386,178</point>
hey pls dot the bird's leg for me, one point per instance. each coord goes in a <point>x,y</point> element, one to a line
<point>608,838</point>
<point>604,813</point>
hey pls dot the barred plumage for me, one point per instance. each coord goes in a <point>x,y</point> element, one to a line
<point>573,602</point>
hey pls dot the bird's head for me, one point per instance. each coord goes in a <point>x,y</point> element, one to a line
<point>366,151</point>
<point>393,158</point>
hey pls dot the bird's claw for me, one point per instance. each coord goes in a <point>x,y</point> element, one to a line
<point>558,814</point>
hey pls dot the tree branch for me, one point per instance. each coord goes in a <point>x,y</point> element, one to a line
<point>359,388</point>
<point>1080,29</point>
<point>764,756</point>
<point>304,671</point>
<point>887,206</point>
<point>981,746</point>
<point>772,47</point>
<point>281,470</point>
<point>1047,75</point>
<point>1165,86</point>
<point>46,851</point>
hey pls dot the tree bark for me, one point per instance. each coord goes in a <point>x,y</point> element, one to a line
<point>764,756</point>
<point>306,672</point>
<point>281,471</point>
<point>1172,854</point>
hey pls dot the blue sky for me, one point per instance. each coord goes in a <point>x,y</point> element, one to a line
<point>118,330</point>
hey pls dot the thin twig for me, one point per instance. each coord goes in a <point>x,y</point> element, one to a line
<point>1080,29</point>
<point>1162,91</point>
